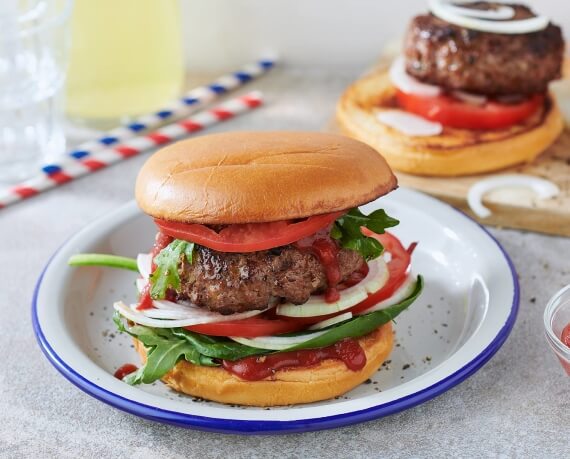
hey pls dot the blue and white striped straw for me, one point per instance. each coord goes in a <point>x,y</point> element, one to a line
<point>191,102</point>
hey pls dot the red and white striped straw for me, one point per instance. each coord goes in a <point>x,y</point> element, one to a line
<point>67,171</point>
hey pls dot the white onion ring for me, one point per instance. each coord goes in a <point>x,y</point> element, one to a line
<point>168,314</point>
<point>443,10</point>
<point>333,320</point>
<point>276,343</point>
<point>501,13</point>
<point>473,99</point>
<point>409,124</point>
<point>545,189</point>
<point>407,83</point>
<point>196,317</point>
<point>144,263</point>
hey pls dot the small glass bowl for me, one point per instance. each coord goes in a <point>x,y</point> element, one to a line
<point>556,317</point>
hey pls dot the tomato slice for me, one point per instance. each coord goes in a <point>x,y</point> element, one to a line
<point>458,114</point>
<point>248,237</point>
<point>248,328</point>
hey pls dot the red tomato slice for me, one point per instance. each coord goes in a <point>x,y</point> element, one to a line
<point>248,328</point>
<point>458,114</point>
<point>249,237</point>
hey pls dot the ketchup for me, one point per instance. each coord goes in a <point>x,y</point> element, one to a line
<point>160,242</point>
<point>260,367</point>
<point>326,250</point>
<point>125,370</point>
<point>565,336</point>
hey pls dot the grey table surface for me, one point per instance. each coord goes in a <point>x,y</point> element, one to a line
<point>517,405</point>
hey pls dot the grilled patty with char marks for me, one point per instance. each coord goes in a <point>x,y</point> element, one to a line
<point>236,282</point>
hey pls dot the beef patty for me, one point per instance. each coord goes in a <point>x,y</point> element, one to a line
<point>457,58</point>
<point>235,282</point>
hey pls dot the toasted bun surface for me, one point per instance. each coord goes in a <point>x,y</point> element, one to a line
<point>456,151</point>
<point>326,380</point>
<point>251,177</point>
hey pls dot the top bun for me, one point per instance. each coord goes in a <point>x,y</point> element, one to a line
<point>252,177</point>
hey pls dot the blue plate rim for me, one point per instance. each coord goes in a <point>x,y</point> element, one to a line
<point>231,426</point>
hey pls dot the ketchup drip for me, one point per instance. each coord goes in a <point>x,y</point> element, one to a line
<point>125,370</point>
<point>326,250</point>
<point>160,242</point>
<point>255,368</point>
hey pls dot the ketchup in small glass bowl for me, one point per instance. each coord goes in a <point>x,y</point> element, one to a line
<point>557,326</point>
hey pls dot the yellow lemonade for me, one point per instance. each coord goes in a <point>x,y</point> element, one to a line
<point>126,58</point>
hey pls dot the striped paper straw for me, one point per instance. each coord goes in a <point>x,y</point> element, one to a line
<point>64,172</point>
<point>191,102</point>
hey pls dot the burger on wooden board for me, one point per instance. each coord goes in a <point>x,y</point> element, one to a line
<point>469,94</point>
<point>266,285</point>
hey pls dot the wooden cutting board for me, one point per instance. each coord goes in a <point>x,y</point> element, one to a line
<point>512,207</point>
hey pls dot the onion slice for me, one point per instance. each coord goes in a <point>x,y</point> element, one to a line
<point>333,320</point>
<point>276,343</point>
<point>545,189</point>
<point>407,83</point>
<point>144,263</point>
<point>182,315</point>
<point>403,292</point>
<point>449,13</point>
<point>409,124</point>
<point>501,13</point>
<point>473,99</point>
<point>141,283</point>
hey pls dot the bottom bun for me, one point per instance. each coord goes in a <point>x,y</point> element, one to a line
<point>455,151</point>
<point>328,379</point>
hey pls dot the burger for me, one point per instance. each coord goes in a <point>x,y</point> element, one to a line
<point>266,285</point>
<point>468,95</point>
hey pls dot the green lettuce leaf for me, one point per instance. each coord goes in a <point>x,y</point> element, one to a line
<point>166,275</point>
<point>347,231</point>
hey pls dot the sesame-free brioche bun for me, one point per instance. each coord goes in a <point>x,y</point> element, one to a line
<point>252,177</point>
<point>323,381</point>
<point>455,152</point>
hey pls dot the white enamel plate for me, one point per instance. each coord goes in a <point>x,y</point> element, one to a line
<point>464,315</point>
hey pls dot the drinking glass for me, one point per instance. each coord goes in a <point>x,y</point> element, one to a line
<point>126,60</point>
<point>33,57</point>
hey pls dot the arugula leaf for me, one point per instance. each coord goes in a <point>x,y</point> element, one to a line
<point>164,351</point>
<point>347,231</point>
<point>166,275</point>
<point>219,348</point>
